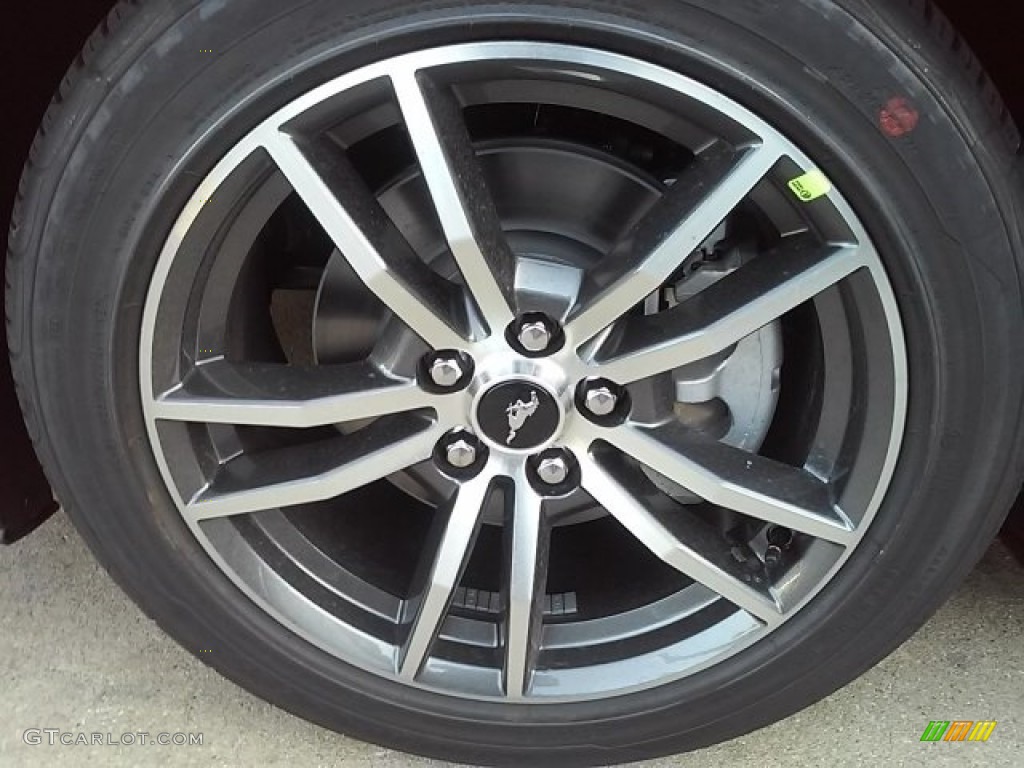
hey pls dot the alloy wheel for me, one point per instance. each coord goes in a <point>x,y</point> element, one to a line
<point>591,382</point>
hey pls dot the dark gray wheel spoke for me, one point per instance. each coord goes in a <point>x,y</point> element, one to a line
<point>528,538</point>
<point>369,241</point>
<point>272,395</point>
<point>695,205</point>
<point>284,477</point>
<point>676,536</point>
<point>742,303</point>
<point>446,553</point>
<point>729,477</point>
<point>460,195</point>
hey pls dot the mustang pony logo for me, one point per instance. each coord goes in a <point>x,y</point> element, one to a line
<point>518,412</point>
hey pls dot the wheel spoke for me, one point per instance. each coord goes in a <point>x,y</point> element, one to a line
<point>307,473</point>
<point>677,537</point>
<point>686,216</point>
<point>445,557</point>
<point>527,543</point>
<point>275,395</point>
<point>735,479</point>
<point>379,254</point>
<point>733,308</point>
<point>461,199</point>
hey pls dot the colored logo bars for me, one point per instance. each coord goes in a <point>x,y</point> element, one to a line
<point>958,730</point>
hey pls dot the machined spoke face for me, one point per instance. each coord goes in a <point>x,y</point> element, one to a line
<point>444,560</point>
<point>528,374</point>
<point>744,482</point>
<point>460,195</point>
<point>370,241</point>
<point>686,216</point>
<point>294,475</point>
<point>273,395</point>
<point>678,539</point>
<point>742,303</point>
<point>528,538</point>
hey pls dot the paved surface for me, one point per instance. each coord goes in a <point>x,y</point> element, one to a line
<point>75,654</point>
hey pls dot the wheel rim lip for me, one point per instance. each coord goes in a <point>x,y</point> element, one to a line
<point>521,51</point>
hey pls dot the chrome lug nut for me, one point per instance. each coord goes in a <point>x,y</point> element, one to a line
<point>601,401</point>
<point>446,371</point>
<point>553,470</point>
<point>461,454</point>
<point>535,335</point>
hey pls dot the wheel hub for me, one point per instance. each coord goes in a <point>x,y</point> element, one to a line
<point>519,415</point>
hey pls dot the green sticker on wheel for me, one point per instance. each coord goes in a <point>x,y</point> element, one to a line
<point>811,186</point>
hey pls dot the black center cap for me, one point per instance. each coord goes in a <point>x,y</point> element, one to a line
<point>518,414</point>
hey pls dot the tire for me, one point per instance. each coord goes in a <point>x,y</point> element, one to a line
<point>883,97</point>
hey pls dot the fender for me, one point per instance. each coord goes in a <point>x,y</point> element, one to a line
<point>39,39</point>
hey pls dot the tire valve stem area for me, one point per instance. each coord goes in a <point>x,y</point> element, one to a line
<point>779,540</point>
<point>754,570</point>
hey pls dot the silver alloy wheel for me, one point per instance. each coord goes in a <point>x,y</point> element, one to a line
<point>379,417</point>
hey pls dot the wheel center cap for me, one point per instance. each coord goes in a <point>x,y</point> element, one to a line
<point>518,415</point>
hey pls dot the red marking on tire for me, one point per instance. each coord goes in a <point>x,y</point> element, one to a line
<point>898,117</point>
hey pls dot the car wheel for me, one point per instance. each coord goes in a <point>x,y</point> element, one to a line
<point>526,382</point>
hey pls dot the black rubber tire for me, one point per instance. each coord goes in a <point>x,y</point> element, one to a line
<point>143,115</point>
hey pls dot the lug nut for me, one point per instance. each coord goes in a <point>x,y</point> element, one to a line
<point>446,371</point>
<point>460,454</point>
<point>553,470</point>
<point>535,335</point>
<point>601,401</point>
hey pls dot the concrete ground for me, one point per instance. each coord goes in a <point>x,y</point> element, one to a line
<point>76,655</point>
